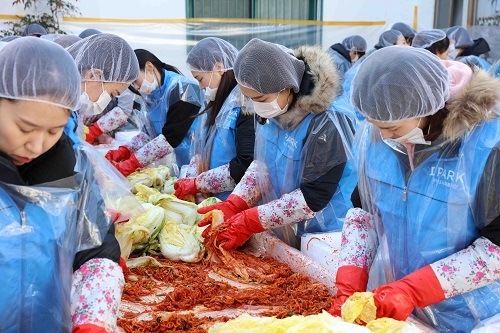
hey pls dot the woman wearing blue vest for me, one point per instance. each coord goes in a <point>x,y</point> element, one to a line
<point>225,137</point>
<point>172,102</point>
<point>300,159</point>
<point>60,270</point>
<point>429,177</point>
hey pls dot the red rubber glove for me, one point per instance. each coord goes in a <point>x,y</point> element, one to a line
<point>240,227</point>
<point>123,265</point>
<point>91,132</point>
<point>398,299</point>
<point>118,155</point>
<point>349,280</point>
<point>87,328</point>
<point>184,187</point>
<point>231,206</point>
<point>128,166</point>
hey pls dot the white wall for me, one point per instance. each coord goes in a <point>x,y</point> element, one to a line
<point>127,9</point>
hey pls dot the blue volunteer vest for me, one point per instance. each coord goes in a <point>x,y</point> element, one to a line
<point>284,160</point>
<point>431,214</point>
<point>158,105</point>
<point>37,248</point>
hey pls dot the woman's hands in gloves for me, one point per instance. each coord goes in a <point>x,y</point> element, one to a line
<point>118,155</point>
<point>398,299</point>
<point>349,280</point>
<point>184,187</point>
<point>238,229</point>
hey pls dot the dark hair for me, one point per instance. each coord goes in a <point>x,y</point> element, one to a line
<point>144,56</point>
<point>409,40</point>
<point>439,46</point>
<point>227,84</point>
<point>435,127</point>
<point>360,54</point>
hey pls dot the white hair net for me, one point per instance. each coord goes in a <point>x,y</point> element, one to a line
<point>399,82</point>
<point>355,43</point>
<point>267,68</point>
<point>10,38</point>
<point>210,50</point>
<point>426,38</point>
<point>388,38</point>
<point>34,29</point>
<point>460,36</point>
<point>110,54</point>
<point>405,29</point>
<point>51,37</point>
<point>49,76</point>
<point>67,40</point>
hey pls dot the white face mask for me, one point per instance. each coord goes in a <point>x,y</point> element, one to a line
<point>147,87</point>
<point>415,136</point>
<point>269,110</point>
<point>89,108</point>
<point>210,92</point>
<point>452,53</point>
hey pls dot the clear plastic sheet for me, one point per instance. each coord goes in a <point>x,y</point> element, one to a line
<point>115,190</point>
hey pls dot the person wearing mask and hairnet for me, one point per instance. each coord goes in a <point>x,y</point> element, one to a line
<point>225,137</point>
<point>429,188</point>
<point>347,53</point>
<point>35,30</point>
<point>172,102</point>
<point>58,273</point>
<point>299,169</point>
<point>434,41</point>
<point>407,31</point>
<point>466,50</point>
<point>107,65</point>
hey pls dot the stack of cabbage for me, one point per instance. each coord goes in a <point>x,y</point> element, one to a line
<point>168,227</point>
<point>158,178</point>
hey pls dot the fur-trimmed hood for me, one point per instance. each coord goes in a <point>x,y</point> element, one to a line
<point>318,88</point>
<point>478,102</point>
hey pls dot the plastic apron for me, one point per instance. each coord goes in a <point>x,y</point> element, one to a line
<point>332,216</point>
<point>104,180</point>
<point>429,214</point>
<point>216,145</point>
<point>175,88</point>
<point>301,155</point>
<point>41,229</point>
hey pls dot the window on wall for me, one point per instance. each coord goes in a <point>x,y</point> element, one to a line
<point>448,13</point>
<point>258,9</point>
<point>219,8</point>
<point>291,35</point>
